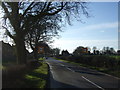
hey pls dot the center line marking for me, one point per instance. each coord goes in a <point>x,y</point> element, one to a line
<point>62,65</point>
<point>92,83</point>
<point>70,69</point>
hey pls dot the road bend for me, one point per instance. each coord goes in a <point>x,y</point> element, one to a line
<point>66,75</point>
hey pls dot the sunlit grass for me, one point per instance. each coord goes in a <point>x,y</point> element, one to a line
<point>2,67</point>
<point>42,69</point>
<point>38,77</point>
<point>41,59</point>
<point>31,77</point>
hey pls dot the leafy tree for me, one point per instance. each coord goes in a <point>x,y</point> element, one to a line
<point>78,51</point>
<point>108,50</point>
<point>94,49</point>
<point>112,51</point>
<point>56,51</point>
<point>118,52</point>
<point>97,52</point>
<point>89,49</point>
<point>20,17</point>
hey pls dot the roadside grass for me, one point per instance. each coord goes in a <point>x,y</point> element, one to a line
<point>114,56</point>
<point>41,59</point>
<point>26,76</point>
<point>1,67</point>
<point>38,77</point>
<point>101,69</point>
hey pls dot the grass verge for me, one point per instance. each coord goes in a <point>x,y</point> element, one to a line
<point>41,59</point>
<point>1,67</point>
<point>26,77</point>
<point>38,77</point>
<point>101,69</point>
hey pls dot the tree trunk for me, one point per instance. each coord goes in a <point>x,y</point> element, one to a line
<point>20,50</point>
<point>35,53</point>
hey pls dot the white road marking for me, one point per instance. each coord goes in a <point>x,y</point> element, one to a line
<point>49,65</point>
<point>66,67</point>
<point>70,69</point>
<point>52,74</point>
<point>62,65</point>
<point>51,70</point>
<point>93,83</point>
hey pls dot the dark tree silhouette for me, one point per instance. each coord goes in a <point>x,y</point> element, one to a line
<point>46,29</point>
<point>78,51</point>
<point>20,17</point>
<point>94,50</point>
<point>55,51</point>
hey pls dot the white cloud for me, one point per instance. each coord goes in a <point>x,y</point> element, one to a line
<point>101,26</point>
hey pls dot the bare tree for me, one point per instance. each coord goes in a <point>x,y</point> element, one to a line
<point>46,29</point>
<point>20,17</point>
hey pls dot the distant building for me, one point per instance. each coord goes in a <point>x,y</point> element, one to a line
<point>84,50</point>
<point>43,48</point>
<point>65,53</point>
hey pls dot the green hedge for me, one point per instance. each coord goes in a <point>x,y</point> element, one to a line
<point>105,61</point>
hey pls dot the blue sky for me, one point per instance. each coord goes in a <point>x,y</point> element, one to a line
<point>100,30</point>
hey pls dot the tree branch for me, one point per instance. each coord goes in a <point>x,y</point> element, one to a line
<point>28,8</point>
<point>44,7</point>
<point>8,33</point>
<point>57,10</point>
<point>5,9</point>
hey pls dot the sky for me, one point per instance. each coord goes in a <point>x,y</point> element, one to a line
<point>100,29</point>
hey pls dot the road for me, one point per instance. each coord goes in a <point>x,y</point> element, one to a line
<point>66,75</point>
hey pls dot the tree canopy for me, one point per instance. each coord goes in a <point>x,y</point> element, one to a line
<point>20,18</point>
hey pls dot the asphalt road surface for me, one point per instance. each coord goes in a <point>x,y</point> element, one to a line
<point>66,75</point>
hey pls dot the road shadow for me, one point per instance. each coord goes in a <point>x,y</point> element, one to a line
<point>89,72</point>
<point>85,71</point>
